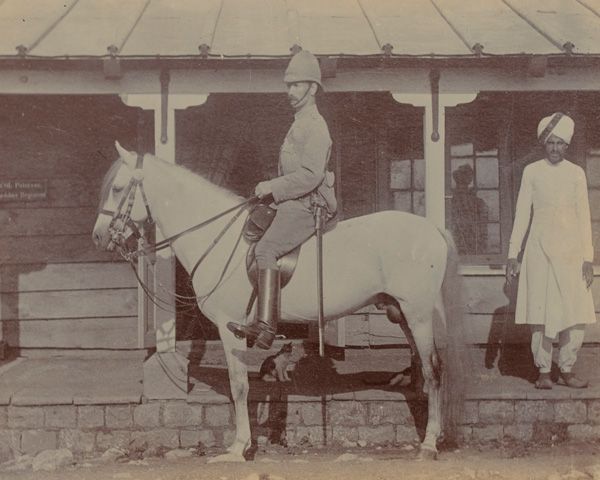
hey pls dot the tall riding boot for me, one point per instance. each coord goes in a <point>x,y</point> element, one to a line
<point>262,331</point>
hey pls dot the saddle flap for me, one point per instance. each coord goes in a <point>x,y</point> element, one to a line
<point>287,265</point>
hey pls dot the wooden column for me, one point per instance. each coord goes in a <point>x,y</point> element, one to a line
<point>165,372</point>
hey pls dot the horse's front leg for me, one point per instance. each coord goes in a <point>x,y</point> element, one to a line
<point>238,378</point>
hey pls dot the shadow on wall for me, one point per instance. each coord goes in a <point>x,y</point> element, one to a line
<point>508,343</point>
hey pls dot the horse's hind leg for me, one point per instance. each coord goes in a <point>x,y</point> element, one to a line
<point>421,327</point>
<point>395,315</point>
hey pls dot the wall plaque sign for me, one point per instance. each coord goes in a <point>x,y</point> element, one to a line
<point>23,190</point>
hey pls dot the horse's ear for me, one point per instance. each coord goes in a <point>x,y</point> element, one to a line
<point>128,157</point>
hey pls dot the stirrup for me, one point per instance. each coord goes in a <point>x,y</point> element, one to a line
<point>265,338</point>
<point>251,330</point>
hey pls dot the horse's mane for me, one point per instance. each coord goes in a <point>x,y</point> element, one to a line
<point>185,175</point>
<point>109,178</point>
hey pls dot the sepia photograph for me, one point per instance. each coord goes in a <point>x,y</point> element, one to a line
<point>299,239</point>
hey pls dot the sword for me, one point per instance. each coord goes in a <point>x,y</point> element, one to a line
<point>319,229</point>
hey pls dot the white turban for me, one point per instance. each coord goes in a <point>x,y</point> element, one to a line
<point>558,124</point>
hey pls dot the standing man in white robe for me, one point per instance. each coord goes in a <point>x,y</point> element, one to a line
<point>554,294</point>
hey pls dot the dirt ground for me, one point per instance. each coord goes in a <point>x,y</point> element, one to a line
<point>492,462</point>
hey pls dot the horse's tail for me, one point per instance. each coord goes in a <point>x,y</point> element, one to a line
<point>454,360</point>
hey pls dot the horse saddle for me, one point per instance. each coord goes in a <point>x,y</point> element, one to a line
<point>287,265</point>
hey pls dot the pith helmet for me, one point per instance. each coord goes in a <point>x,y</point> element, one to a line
<point>303,67</point>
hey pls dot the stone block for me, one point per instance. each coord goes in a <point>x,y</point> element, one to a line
<point>346,413</point>
<point>147,415</point>
<point>25,417</point>
<point>488,433</point>
<point>90,416</point>
<point>344,433</point>
<point>191,438</point>
<point>314,413</point>
<point>531,411</point>
<point>587,433</point>
<point>470,413</point>
<point>10,444</point>
<point>396,413</point>
<point>570,412</point>
<point>34,441</point>
<point>293,413</point>
<point>407,434</point>
<point>61,416</point>
<point>182,415</point>
<point>118,416</point>
<point>302,435</point>
<point>77,441</point>
<point>465,433</point>
<point>549,433</point>
<point>218,415</point>
<point>377,435</point>
<point>520,431</point>
<point>594,412</point>
<point>493,412</point>
<point>166,377</point>
<point>166,437</point>
<point>113,439</point>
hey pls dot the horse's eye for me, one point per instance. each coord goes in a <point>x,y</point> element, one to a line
<point>116,189</point>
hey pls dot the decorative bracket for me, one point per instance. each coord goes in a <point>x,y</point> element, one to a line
<point>568,46</point>
<point>204,50</point>
<point>165,78</point>
<point>477,49</point>
<point>434,80</point>
<point>22,49</point>
<point>387,50</point>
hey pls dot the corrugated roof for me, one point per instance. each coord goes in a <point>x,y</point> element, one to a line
<point>269,28</point>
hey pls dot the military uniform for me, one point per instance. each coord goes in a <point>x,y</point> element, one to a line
<point>302,168</point>
<point>303,181</point>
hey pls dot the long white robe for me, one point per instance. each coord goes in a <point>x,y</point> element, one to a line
<point>551,289</point>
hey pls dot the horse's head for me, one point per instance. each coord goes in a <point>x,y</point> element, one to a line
<point>121,212</point>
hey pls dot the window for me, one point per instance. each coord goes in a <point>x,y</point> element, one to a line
<point>489,142</point>
<point>478,193</point>
<point>475,200</point>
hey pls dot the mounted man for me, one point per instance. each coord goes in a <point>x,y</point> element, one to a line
<point>302,185</point>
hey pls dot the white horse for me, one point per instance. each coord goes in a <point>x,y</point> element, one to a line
<point>394,259</point>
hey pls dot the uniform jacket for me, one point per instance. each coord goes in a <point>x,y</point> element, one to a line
<point>551,289</point>
<point>303,161</point>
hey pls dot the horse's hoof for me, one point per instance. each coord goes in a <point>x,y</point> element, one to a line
<point>227,457</point>
<point>426,454</point>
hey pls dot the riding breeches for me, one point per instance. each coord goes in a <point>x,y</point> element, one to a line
<point>292,226</point>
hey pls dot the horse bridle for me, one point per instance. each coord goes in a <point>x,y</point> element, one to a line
<point>117,233</point>
<point>119,238</point>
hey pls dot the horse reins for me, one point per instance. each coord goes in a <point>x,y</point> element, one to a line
<point>118,235</point>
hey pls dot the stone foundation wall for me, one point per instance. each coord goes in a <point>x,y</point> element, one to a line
<point>85,429</point>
